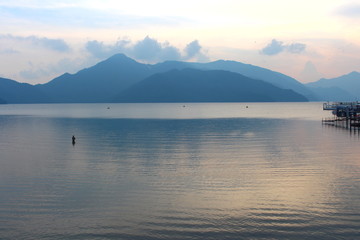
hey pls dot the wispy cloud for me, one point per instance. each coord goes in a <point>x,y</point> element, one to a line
<point>8,51</point>
<point>58,45</point>
<point>276,47</point>
<point>71,16</point>
<point>33,74</point>
<point>296,47</point>
<point>349,10</point>
<point>36,71</point>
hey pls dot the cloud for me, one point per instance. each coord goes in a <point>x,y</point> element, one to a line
<point>77,15</point>
<point>58,45</point>
<point>192,49</point>
<point>33,74</point>
<point>350,11</point>
<point>273,48</point>
<point>35,71</point>
<point>101,50</point>
<point>276,47</point>
<point>9,51</point>
<point>169,53</point>
<point>54,44</point>
<point>310,73</point>
<point>148,50</point>
<point>296,48</point>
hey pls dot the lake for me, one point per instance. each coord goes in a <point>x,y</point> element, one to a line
<point>177,171</point>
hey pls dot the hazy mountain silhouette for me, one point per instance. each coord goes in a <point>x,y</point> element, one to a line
<point>191,85</point>
<point>332,94</point>
<point>277,79</point>
<point>15,92</point>
<point>106,79</point>
<point>343,88</point>
<point>251,71</point>
<point>98,83</point>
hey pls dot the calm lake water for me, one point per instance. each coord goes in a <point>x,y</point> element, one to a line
<point>177,171</point>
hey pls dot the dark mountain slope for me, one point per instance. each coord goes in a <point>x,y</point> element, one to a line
<point>190,85</point>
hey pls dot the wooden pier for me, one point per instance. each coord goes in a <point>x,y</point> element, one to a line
<point>345,114</point>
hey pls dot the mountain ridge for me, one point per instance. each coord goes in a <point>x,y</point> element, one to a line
<point>96,83</point>
<point>12,91</point>
<point>345,87</point>
<point>108,78</point>
<point>193,85</point>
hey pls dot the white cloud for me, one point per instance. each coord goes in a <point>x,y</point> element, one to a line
<point>273,48</point>
<point>147,50</point>
<point>276,47</point>
<point>192,49</point>
<point>40,59</point>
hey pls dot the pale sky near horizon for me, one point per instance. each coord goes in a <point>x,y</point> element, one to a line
<point>307,40</point>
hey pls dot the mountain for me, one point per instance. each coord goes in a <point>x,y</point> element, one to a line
<point>192,85</point>
<point>335,94</point>
<point>277,79</point>
<point>106,79</point>
<point>98,83</point>
<point>251,71</point>
<point>2,101</point>
<point>343,88</point>
<point>14,92</point>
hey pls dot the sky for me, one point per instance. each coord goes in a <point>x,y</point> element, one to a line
<point>307,40</point>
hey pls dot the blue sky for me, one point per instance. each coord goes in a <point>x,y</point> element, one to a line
<point>307,40</point>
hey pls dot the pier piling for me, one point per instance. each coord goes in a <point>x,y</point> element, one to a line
<point>345,114</point>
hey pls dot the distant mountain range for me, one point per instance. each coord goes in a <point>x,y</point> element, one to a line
<point>275,78</point>
<point>192,85</point>
<point>122,79</point>
<point>343,88</point>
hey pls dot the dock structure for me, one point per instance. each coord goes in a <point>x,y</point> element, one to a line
<point>345,114</point>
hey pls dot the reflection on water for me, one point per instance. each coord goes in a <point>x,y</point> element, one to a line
<point>177,179</point>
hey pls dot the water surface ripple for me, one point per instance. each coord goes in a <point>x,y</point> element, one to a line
<point>185,178</point>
